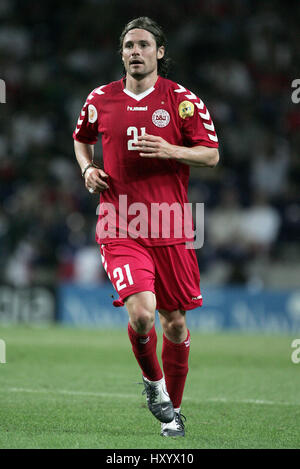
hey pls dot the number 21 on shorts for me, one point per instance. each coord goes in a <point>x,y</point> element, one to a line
<point>123,277</point>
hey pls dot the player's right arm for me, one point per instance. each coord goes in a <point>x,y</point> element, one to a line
<point>85,136</point>
<point>94,177</point>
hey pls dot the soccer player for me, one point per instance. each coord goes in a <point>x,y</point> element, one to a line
<point>153,130</point>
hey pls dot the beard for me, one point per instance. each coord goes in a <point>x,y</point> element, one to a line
<point>138,73</point>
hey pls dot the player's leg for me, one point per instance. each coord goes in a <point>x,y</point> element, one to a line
<point>131,270</point>
<point>177,290</point>
<point>141,308</point>
<point>174,325</point>
<point>142,334</point>
<point>175,355</point>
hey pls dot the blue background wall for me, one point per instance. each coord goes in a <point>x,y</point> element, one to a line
<point>224,309</point>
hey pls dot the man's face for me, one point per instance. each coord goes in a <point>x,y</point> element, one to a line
<point>140,53</point>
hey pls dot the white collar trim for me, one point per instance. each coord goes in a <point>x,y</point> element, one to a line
<point>140,96</point>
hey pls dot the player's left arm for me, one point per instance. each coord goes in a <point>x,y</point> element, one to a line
<point>152,146</point>
<point>199,146</point>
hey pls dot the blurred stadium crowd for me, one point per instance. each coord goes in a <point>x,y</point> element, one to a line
<point>239,56</point>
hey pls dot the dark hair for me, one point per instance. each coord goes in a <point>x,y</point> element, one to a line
<point>143,22</point>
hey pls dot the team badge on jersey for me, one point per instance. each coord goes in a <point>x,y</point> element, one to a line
<point>92,113</point>
<point>160,118</point>
<point>186,109</point>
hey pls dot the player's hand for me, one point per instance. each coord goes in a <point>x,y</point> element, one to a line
<point>95,180</point>
<point>152,146</point>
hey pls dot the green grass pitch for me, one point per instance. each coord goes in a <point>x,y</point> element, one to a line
<point>76,388</point>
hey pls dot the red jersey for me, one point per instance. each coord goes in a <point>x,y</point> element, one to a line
<point>143,191</point>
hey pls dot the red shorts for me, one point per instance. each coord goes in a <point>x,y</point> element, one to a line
<point>170,272</point>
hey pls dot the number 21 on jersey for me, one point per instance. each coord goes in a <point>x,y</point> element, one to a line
<point>119,274</point>
<point>134,131</point>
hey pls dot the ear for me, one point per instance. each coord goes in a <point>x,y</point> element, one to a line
<point>160,52</point>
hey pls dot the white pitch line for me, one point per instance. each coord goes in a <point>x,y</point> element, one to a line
<point>68,392</point>
<point>134,396</point>
<point>249,401</point>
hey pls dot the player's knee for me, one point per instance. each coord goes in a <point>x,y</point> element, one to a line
<point>141,317</point>
<point>141,309</point>
<point>141,320</point>
<point>175,326</point>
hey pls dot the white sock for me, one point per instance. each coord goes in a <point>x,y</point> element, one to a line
<point>160,381</point>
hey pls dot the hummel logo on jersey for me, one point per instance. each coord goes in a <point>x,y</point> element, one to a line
<point>137,108</point>
<point>197,297</point>
<point>144,341</point>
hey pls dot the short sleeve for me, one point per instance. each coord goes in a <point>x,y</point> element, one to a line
<point>197,125</point>
<point>86,130</point>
